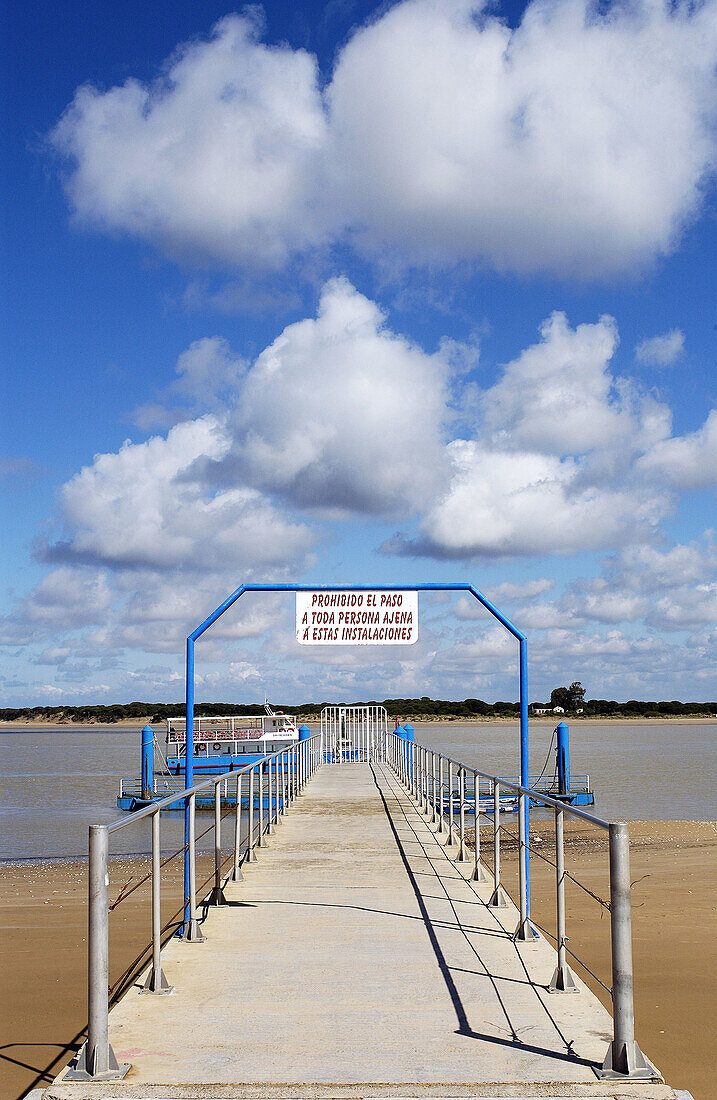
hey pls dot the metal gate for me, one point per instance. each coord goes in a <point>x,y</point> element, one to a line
<point>353,734</point>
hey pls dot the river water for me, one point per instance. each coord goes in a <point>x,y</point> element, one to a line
<point>54,782</point>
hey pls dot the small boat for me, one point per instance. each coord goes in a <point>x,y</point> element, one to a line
<point>221,744</point>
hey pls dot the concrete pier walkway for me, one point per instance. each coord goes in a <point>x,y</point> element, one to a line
<point>358,959</point>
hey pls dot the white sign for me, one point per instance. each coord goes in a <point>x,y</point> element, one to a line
<point>357,618</point>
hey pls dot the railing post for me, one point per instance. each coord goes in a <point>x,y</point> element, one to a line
<point>237,876</point>
<point>419,776</point>
<point>462,853</point>
<point>479,872</point>
<point>250,853</point>
<point>217,895</point>
<point>450,804</point>
<point>260,777</point>
<point>425,781</point>
<point>499,898</point>
<point>441,827</point>
<point>156,981</point>
<point>434,776</point>
<point>624,1058</point>
<point>192,932</point>
<point>270,799</point>
<point>525,931</point>
<point>562,980</point>
<point>280,793</point>
<point>96,1060</point>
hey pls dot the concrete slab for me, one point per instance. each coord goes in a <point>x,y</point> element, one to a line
<point>358,956</point>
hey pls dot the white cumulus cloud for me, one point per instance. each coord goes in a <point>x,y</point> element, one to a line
<point>527,503</point>
<point>443,135</point>
<point>551,467</point>
<point>142,506</point>
<point>671,589</point>
<point>541,147</point>
<point>217,158</point>
<point>208,377</point>
<point>558,396</point>
<point>686,461</point>
<point>341,413</point>
<point>661,351</point>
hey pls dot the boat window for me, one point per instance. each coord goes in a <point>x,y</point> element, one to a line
<point>201,749</point>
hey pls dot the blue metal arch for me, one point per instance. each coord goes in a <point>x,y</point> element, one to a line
<point>459,586</point>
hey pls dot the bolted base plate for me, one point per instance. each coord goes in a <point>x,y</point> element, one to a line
<point>79,1071</point>
<point>480,874</point>
<point>525,933</point>
<point>627,1063</point>
<point>156,983</point>
<point>217,896</point>
<point>498,899</point>
<point>562,981</point>
<point>192,933</point>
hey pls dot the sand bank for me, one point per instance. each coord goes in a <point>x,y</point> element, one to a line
<point>674,870</point>
<point>674,917</point>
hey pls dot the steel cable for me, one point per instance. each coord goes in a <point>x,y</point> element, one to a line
<point>125,893</point>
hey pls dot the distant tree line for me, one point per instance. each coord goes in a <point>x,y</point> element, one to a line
<point>425,707</point>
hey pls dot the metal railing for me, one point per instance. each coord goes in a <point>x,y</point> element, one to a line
<point>268,786</point>
<point>579,783</point>
<point>437,784</point>
<point>353,734</point>
<point>169,784</point>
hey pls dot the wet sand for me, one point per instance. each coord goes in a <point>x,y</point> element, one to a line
<point>673,867</point>
<point>674,871</point>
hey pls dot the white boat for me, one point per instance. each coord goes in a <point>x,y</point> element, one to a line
<point>229,741</point>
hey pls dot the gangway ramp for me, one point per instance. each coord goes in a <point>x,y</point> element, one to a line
<point>357,958</point>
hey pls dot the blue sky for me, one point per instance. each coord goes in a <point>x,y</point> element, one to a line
<point>358,293</point>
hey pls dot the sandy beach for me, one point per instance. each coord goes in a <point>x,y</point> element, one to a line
<point>674,871</point>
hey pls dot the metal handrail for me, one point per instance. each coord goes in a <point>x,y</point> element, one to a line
<point>421,770</point>
<point>288,770</point>
<point>534,795</point>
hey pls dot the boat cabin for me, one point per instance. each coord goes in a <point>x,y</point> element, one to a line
<point>223,741</point>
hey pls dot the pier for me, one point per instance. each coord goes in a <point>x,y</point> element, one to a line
<point>356,946</point>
